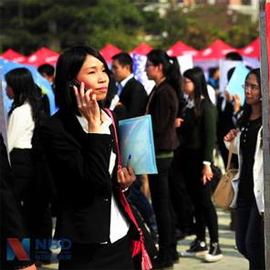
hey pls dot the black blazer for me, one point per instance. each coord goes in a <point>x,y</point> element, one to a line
<point>12,223</point>
<point>199,132</point>
<point>163,108</point>
<point>79,164</point>
<point>134,98</point>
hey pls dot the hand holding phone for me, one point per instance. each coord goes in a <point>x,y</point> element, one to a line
<point>88,106</point>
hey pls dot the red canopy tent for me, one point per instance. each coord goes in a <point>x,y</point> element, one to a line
<point>142,49</point>
<point>13,56</point>
<point>217,50</point>
<point>180,48</point>
<point>252,50</point>
<point>109,51</point>
<point>42,56</point>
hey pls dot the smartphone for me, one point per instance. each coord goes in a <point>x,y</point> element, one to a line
<point>74,82</point>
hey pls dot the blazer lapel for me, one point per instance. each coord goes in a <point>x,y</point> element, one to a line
<point>73,127</point>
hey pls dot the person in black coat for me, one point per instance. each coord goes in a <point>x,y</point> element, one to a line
<point>24,119</point>
<point>163,107</point>
<point>12,222</point>
<point>130,92</point>
<point>81,150</point>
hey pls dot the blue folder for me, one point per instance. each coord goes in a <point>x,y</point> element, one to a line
<point>237,80</point>
<point>137,144</point>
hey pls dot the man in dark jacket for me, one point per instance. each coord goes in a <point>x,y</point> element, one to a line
<point>130,92</point>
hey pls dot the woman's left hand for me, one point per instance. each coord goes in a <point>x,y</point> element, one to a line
<point>207,174</point>
<point>125,177</point>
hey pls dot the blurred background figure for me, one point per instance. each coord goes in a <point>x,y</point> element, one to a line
<point>48,72</point>
<point>213,77</point>
<point>130,92</point>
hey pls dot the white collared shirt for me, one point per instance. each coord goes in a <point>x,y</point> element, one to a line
<point>124,82</point>
<point>120,86</point>
<point>20,128</point>
<point>119,226</point>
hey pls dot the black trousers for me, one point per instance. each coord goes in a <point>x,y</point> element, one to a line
<point>160,194</point>
<point>95,256</point>
<point>201,196</point>
<point>180,198</point>
<point>35,207</point>
<point>250,233</point>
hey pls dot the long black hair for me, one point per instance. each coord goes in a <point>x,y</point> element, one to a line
<point>25,90</point>
<point>171,69</point>
<point>247,108</point>
<point>196,75</point>
<point>67,68</point>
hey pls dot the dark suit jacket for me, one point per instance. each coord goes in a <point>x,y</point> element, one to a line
<point>163,109</point>
<point>199,132</point>
<point>12,222</point>
<point>225,118</point>
<point>134,98</point>
<point>79,164</point>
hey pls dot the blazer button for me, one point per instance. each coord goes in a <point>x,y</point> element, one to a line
<point>106,200</point>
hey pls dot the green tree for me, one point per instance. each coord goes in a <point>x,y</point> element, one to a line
<point>200,26</point>
<point>30,24</point>
<point>57,24</point>
<point>117,22</point>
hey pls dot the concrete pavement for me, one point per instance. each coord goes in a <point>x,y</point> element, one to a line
<point>232,259</point>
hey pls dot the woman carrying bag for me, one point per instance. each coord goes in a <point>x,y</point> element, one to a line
<point>80,141</point>
<point>248,184</point>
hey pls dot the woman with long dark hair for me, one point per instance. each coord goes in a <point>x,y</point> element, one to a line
<point>198,133</point>
<point>81,148</point>
<point>163,107</point>
<point>248,183</point>
<point>31,177</point>
<point>24,116</point>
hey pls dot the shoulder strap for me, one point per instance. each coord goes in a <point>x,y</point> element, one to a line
<point>230,155</point>
<point>137,246</point>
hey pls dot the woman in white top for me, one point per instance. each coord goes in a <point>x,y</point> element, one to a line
<point>248,184</point>
<point>23,117</point>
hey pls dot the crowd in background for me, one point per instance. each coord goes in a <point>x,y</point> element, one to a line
<point>65,166</point>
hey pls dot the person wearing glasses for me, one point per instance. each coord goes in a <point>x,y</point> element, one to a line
<point>248,183</point>
<point>163,107</point>
<point>198,133</point>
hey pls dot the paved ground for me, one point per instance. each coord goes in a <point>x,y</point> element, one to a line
<point>232,259</point>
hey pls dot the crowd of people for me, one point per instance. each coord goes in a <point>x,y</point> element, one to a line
<point>67,165</point>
